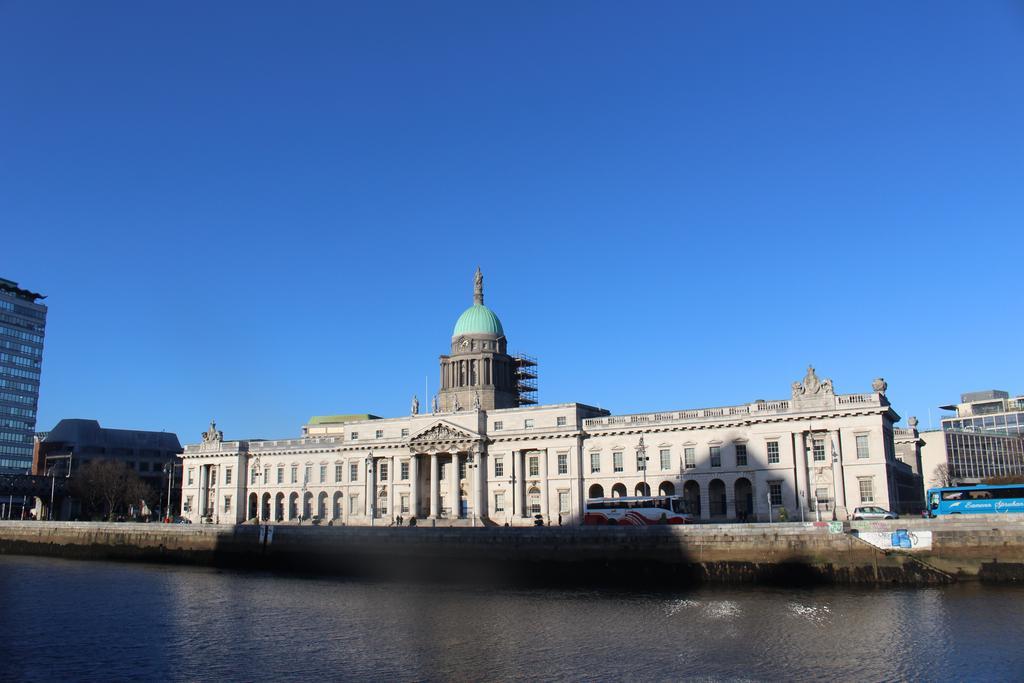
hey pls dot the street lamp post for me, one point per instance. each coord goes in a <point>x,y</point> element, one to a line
<point>373,487</point>
<point>169,471</point>
<point>512,484</point>
<point>471,465</point>
<point>641,451</point>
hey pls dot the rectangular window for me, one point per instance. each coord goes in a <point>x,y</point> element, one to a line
<point>443,467</point>
<point>404,471</point>
<point>353,471</point>
<point>213,481</point>
<point>498,425</point>
<point>354,436</point>
<point>404,502</point>
<point>295,474</point>
<point>716,456</point>
<point>383,470</point>
<point>323,474</point>
<point>307,474</point>
<point>773,452</point>
<point>617,461</point>
<point>528,424</point>
<point>499,467</point>
<point>563,463</point>
<point>560,421</point>
<point>775,489</point>
<point>227,476</point>
<point>862,446</point>
<point>379,434</point>
<point>252,476</point>
<point>563,502</point>
<point>405,433</point>
<point>191,472</point>
<point>821,496</point>
<point>499,502</point>
<point>641,461</point>
<point>337,474</point>
<point>280,475</point>
<point>867,491</point>
<point>188,504</point>
<point>534,466</point>
<point>666,458</point>
<point>689,458</point>
<point>227,504</point>
<point>741,455</point>
<point>353,504</point>
<point>462,469</point>
<point>595,462</point>
<point>818,448</point>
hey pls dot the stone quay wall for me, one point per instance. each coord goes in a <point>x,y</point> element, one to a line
<point>986,549</point>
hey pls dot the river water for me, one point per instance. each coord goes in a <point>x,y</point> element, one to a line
<point>69,620</point>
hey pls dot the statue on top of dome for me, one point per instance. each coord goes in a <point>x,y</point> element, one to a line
<point>478,287</point>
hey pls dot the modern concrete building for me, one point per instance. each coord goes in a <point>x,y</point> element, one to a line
<point>74,443</point>
<point>985,438</point>
<point>483,454</point>
<point>22,328</point>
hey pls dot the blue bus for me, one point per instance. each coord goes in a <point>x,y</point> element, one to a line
<point>981,499</point>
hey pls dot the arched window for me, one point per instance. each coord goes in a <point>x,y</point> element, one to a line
<point>642,489</point>
<point>716,496</point>
<point>691,493</point>
<point>338,500</point>
<point>744,496</point>
<point>666,488</point>
<point>618,491</point>
<point>596,491</point>
<point>321,508</point>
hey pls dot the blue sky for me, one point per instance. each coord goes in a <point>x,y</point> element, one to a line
<point>260,211</point>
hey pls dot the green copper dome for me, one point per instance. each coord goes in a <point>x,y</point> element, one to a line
<point>478,319</point>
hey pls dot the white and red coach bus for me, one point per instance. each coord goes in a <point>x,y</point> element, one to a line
<point>638,510</point>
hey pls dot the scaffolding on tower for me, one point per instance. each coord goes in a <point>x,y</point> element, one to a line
<point>526,379</point>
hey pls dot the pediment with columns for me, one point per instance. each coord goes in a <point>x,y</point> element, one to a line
<point>441,434</point>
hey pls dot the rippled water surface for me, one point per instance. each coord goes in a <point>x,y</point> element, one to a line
<point>65,620</point>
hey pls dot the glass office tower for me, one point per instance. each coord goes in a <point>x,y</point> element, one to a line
<point>22,326</point>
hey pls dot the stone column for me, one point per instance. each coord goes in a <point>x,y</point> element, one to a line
<point>544,488</point>
<point>203,488</point>
<point>520,457</point>
<point>435,486</point>
<point>455,482</point>
<point>414,491</point>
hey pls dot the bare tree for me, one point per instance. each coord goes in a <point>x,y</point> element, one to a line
<point>943,475</point>
<point>107,487</point>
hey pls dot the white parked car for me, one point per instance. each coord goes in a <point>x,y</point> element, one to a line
<point>873,512</point>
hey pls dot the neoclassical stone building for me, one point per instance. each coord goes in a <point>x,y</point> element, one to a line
<point>483,454</point>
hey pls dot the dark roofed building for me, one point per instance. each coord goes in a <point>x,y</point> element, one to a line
<point>147,453</point>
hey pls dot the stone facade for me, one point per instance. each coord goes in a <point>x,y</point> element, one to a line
<point>815,454</point>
